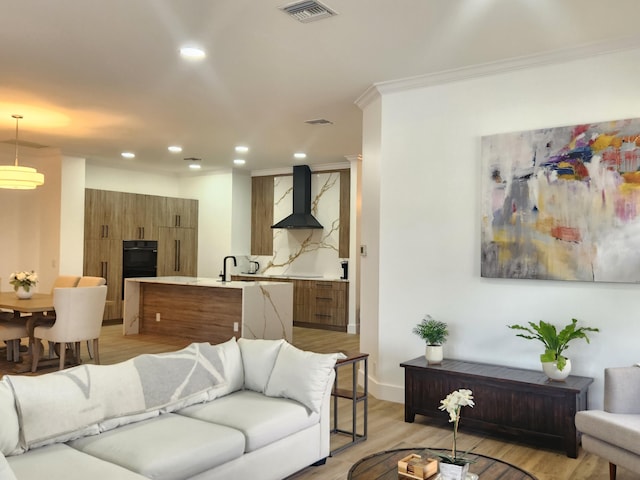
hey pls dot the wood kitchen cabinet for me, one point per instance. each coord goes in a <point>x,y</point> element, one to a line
<point>178,212</point>
<point>140,216</point>
<point>262,215</point>
<point>111,217</point>
<point>177,251</point>
<point>103,258</point>
<point>105,218</point>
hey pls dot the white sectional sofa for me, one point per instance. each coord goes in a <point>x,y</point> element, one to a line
<point>245,409</point>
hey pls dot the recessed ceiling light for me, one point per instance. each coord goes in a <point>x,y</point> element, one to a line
<point>192,53</point>
<point>195,166</point>
<point>128,154</point>
<point>300,155</point>
<point>175,149</point>
<point>242,149</point>
<point>239,161</point>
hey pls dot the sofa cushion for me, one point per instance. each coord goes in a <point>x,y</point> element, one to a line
<point>258,358</point>
<point>615,428</point>
<point>9,429</point>
<point>233,368</point>
<point>61,462</point>
<point>5,470</point>
<point>167,447</point>
<point>301,376</point>
<point>99,393</point>
<point>263,420</point>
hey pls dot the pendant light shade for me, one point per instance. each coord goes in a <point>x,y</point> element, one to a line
<point>17,177</point>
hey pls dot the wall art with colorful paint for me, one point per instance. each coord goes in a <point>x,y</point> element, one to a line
<point>562,203</point>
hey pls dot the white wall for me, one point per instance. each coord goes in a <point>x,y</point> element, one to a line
<point>421,160</point>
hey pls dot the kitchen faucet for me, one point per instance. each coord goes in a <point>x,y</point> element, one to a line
<point>223,275</point>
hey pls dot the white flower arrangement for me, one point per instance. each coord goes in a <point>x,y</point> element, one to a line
<point>25,280</point>
<point>453,404</point>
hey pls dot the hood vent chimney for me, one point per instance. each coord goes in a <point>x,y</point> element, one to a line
<point>301,216</point>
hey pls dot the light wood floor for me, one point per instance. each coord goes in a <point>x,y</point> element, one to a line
<point>387,428</point>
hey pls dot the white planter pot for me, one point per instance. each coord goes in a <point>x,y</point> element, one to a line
<point>449,471</point>
<point>551,370</point>
<point>434,354</point>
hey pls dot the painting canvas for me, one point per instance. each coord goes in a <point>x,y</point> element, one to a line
<point>562,203</point>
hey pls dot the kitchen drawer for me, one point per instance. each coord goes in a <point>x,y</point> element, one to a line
<point>329,298</point>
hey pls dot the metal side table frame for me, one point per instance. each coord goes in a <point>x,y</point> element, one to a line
<point>353,359</point>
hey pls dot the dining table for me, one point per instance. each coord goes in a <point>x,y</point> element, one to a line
<point>31,311</point>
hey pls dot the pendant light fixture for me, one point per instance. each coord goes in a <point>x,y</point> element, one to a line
<point>17,177</point>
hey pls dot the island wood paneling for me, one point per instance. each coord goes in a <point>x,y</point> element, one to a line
<point>200,314</point>
<point>262,215</point>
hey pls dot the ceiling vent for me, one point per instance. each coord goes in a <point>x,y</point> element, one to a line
<point>308,11</point>
<point>319,121</point>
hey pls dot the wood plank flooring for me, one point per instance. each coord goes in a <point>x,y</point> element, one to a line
<point>387,428</point>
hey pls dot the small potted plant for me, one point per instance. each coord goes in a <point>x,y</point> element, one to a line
<point>434,333</point>
<point>554,364</point>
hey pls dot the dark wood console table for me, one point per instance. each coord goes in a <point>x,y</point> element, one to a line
<point>510,402</point>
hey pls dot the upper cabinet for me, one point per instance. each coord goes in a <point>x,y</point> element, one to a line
<point>140,216</point>
<point>262,215</point>
<point>178,212</point>
<point>105,218</point>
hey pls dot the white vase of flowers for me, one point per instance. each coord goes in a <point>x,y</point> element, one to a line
<point>23,282</point>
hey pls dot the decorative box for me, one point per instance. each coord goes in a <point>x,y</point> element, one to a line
<point>415,467</point>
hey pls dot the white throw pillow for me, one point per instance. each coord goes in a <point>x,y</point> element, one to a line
<point>301,376</point>
<point>233,368</point>
<point>258,358</point>
<point>9,428</point>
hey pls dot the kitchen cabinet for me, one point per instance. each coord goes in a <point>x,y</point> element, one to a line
<point>103,258</point>
<point>177,251</point>
<point>262,215</point>
<point>140,216</point>
<point>105,218</point>
<point>322,304</point>
<point>178,212</point>
<point>111,217</point>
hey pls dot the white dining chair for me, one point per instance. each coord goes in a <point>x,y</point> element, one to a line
<point>11,332</point>
<point>79,313</point>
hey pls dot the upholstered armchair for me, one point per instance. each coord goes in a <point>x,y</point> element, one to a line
<point>614,433</point>
<point>79,313</point>
<point>91,282</point>
<point>11,332</point>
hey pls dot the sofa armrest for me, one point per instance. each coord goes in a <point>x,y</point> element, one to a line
<point>622,390</point>
<point>5,470</point>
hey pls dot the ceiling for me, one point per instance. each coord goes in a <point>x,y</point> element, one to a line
<point>96,78</point>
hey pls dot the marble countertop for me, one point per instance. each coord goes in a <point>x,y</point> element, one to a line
<point>294,276</point>
<point>198,282</point>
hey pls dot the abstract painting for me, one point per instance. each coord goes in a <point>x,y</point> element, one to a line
<point>562,203</point>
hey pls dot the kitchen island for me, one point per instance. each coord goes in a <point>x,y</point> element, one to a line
<point>206,309</point>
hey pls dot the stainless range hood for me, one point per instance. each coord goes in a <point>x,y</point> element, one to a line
<point>301,216</point>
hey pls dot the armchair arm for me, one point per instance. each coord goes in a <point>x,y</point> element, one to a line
<point>622,390</point>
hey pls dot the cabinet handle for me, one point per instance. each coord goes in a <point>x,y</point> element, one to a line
<point>176,221</point>
<point>176,261</point>
<point>103,269</point>
<point>323,315</point>
<point>324,298</point>
<point>142,228</point>
<point>107,230</point>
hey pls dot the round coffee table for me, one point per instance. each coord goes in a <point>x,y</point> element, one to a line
<point>384,466</point>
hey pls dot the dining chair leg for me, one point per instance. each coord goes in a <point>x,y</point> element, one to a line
<point>16,350</point>
<point>35,354</point>
<point>96,352</point>
<point>76,352</point>
<point>63,352</point>
<point>9,344</point>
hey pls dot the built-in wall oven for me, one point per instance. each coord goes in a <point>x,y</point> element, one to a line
<point>139,259</point>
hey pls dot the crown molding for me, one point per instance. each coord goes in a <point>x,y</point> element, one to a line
<point>492,68</point>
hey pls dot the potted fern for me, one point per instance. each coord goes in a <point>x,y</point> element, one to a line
<point>434,333</point>
<point>554,363</point>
